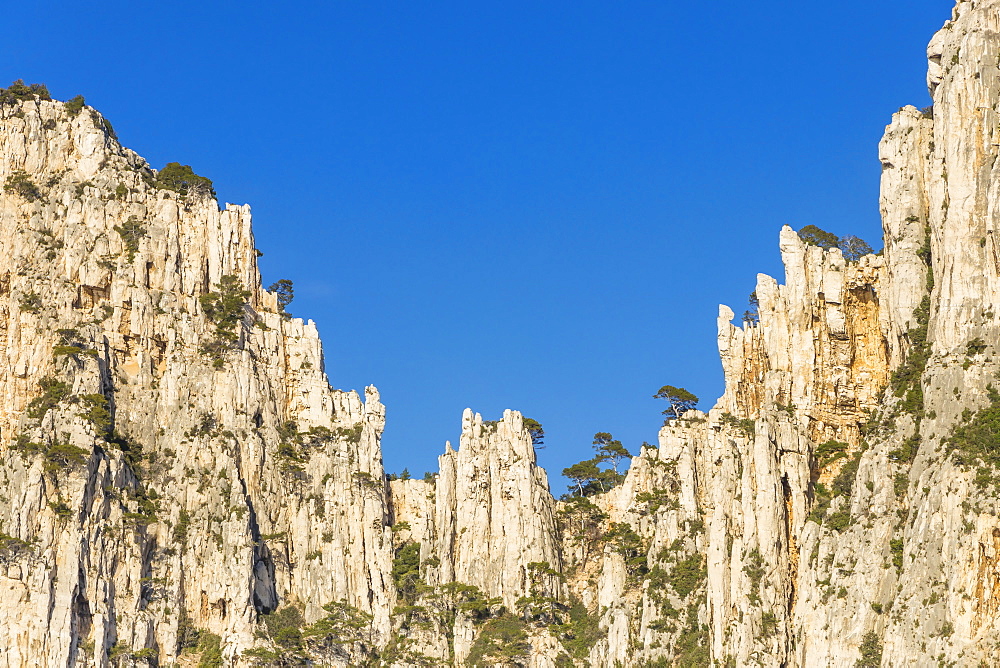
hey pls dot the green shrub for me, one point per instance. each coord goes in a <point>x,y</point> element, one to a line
<point>188,635</point>
<point>687,575</point>
<point>53,391</point>
<point>768,623</point>
<point>843,484</point>
<point>225,308</point>
<point>754,570</point>
<point>62,455</point>
<point>692,648</point>
<point>262,656</point>
<point>352,434</point>
<point>829,452</point>
<point>61,509</point>
<point>343,624</point>
<point>751,316</point>
<point>20,184</point>
<point>96,411</point>
<point>12,548</point>
<point>745,425</point>
<point>62,351</point>
<point>131,450</point>
<point>30,302</point>
<point>105,124</point>
<point>131,233</point>
<point>814,236</point>
<point>182,179</point>
<point>210,647</point>
<point>905,380</point>
<point>907,451</point>
<point>501,641</point>
<point>580,520</point>
<point>896,549</point>
<point>871,651</point>
<point>19,92</point>
<point>294,448</point>
<point>660,498</point>
<point>975,347</point>
<point>69,337</point>
<point>539,604</point>
<point>181,527</point>
<point>406,570</point>
<point>976,440</point>
<point>631,546</point>
<point>467,598</point>
<point>284,627</point>
<point>839,521</point>
<point>580,630</point>
<point>119,651</point>
<point>26,447</point>
<point>285,291</point>
<point>854,248</point>
<point>821,503</point>
<point>74,105</point>
<point>900,484</point>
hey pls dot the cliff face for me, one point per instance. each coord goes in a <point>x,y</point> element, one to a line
<point>845,477</point>
<point>480,526</point>
<point>484,536</point>
<point>151,488</point>
<point>177,467</point>
<point>181,483</point>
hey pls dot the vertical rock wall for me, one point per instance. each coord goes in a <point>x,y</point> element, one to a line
<point>161,475</point>
<point>151,490</point>
<point>494,514</point>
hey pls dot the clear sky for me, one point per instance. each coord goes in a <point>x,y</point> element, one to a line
<point>529,205</point>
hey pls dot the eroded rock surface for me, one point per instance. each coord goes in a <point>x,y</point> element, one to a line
<point>178,471</point>
<point>156,480</point>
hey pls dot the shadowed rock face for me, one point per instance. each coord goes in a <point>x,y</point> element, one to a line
<point>167,470</point>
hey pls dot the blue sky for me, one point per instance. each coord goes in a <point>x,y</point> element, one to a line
<point>529,205</point>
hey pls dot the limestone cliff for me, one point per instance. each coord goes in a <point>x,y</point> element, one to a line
<point>163,472</point>
<point>846,480</point>
<point>181,484</point>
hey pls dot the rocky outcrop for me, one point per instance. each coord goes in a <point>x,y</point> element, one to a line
<point>162,473</point>
<point>842,522</point>
<point>854,527</point>
<point>494,514</point>
<point>821,351</point>
<point>180,481</point>
<point>485,524</point>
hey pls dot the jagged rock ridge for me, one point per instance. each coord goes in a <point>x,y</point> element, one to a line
<point>153,489</point>
<point>175,467</point>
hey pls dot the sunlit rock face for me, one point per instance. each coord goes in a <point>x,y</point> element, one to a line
<point>182,484</point>
<point>844,523</point>
<point>207,506</point>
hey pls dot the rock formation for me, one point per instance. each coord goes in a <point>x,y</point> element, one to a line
<point>182,486</point>
<point>164,472</point>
